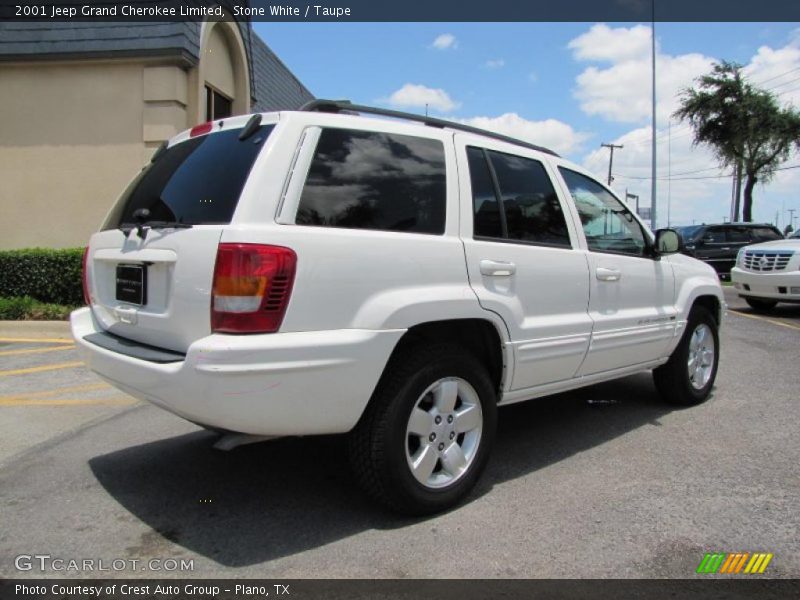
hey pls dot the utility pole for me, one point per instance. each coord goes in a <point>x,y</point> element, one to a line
<point>610,158</point>
<point>791,217</point>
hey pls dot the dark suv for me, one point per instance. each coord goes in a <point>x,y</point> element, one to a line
<point>718,244</point>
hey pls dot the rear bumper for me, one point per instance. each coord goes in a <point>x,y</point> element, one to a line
<point>783,286</point>
<point>275,384</point>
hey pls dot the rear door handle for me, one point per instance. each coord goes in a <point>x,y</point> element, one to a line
<point>604,274</point>
<point>497,268</point>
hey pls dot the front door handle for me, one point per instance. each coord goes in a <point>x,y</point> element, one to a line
<point>497,268</point>
<point>604,274</point>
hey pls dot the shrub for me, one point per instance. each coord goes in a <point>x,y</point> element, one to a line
<point>46,275</point>
<point>26,308</point>
<point>14,309</point>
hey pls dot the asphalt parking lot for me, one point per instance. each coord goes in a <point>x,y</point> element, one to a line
<point>602,482</point>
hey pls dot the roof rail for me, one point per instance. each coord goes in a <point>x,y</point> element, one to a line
<point>345,106</point>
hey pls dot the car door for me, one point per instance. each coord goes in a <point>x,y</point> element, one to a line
<point>632,295</point>
<point>713,247</point>
<point>522,258</point>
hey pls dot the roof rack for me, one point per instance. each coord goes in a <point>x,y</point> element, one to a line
<point>345,106</point>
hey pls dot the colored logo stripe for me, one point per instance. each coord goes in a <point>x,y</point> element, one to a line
<point>732,563</point>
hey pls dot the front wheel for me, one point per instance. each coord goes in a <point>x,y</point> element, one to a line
<point>426,435</point>
<point>759,304</point>
<point>687,378</point>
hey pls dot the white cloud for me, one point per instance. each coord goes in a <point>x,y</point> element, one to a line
<point>550,133</point>
<point>445,41</point>
<point>419,96</point>
<point>619,91</point>
<point>495,64</point>
<point>778,71</point>
<point>622,91</point>
<point>602,43</point>
<point>699,190</point>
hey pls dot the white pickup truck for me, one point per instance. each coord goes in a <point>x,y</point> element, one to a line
<point>324,271</point>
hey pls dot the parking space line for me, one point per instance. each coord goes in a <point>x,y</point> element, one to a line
<point>749,316</point>
<point>54,367</point>
<point>37,350</point>
<point>90,387</point>
<point>107,401</point>
<point>38,340</point>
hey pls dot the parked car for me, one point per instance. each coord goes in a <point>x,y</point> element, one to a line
<point>718,244</point>
<point>768,273</point>
<point>794,235</point>
<point>321,271</point>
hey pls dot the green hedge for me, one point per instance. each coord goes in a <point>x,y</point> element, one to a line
<point>46,275</point>
<point>28,309</point>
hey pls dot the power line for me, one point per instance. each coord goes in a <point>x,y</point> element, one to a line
<point>778,76</point>
<point>695,178</point>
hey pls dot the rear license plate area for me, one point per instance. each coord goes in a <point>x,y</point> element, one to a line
<point>132,284</point>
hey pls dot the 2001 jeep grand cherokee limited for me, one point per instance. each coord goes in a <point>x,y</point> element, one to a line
<point>321,271</point>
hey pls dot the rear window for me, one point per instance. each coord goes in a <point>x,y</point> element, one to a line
<point>370,180</point>
<point>195,182</point>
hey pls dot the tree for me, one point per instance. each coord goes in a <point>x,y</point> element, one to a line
<point>745,126</point>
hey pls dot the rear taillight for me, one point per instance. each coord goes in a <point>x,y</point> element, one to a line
<point>85,276</point>
<point>252,285</point>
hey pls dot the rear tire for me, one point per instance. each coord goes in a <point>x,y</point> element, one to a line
<point>687,378</point>
<point>759,304</point>
<point>426,435</point>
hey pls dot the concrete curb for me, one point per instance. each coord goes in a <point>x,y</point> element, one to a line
<point>35,329</point>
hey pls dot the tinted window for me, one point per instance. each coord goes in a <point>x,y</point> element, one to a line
<point>529,203</point>
<point>197,181</point>
<point>715,235</point>
<point>607,224</point>
<point>765,234</point>
<point>367,180</point>
<point>737,235</point>
<point>532,210</point>
<point>484,201</point>
<point>689,232</point>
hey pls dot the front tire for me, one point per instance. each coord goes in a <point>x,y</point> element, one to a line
<point>687,378</point>
<point>759,304</point>
<point>426,435</point>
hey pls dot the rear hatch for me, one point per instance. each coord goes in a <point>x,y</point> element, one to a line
<point>150,268</point>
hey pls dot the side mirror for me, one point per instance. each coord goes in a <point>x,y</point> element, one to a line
<point>668,241</point>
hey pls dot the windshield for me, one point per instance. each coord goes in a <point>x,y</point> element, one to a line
<point>193,182</point>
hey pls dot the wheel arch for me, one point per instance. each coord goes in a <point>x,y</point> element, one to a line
<point>711,303</point>
<point>481,337</point>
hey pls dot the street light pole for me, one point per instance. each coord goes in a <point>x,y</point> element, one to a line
<point>653,127</point>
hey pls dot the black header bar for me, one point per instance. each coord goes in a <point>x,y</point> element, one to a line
<point>403,10</point>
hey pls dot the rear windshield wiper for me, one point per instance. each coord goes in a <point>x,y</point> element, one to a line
<point>143,227</point>
<point>167,225</point>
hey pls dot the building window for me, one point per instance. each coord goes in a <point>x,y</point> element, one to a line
<point>217,105</point>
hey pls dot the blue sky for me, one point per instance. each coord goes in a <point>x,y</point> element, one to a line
<point>567,85</point>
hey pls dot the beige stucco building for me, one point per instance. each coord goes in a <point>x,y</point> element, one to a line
<point>85,105</point>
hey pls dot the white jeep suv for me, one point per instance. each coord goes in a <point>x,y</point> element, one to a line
<point>321,271</point>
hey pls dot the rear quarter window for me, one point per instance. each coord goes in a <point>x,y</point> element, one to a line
<point>373,180</point>
<point>765,234</point>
